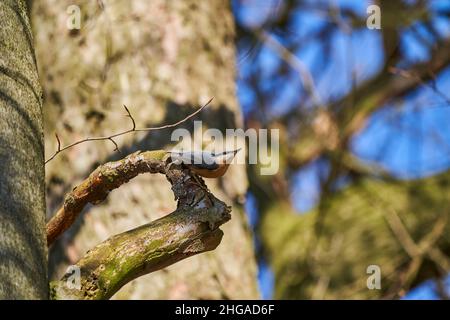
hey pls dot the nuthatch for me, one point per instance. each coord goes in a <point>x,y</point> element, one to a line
<point>204,163</point>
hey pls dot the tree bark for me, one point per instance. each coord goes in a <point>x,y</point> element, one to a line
<point>161,59</point>
<point>23,249</point>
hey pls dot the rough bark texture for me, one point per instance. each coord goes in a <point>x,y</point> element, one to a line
<point>161,59</point>
<point>23,250</point>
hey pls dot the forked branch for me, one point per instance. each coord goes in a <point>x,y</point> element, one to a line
<point>191,229</point>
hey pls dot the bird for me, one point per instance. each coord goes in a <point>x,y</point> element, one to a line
<point>204,163</point>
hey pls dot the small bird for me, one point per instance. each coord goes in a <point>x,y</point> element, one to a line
<point>204,163</point>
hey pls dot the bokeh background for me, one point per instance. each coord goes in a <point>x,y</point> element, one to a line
<point>365,120</point>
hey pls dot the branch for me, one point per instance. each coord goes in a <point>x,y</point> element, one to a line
<point>191,229</point>
<point>388,86</point>
<point>133,129</point>
<point>96,187</point>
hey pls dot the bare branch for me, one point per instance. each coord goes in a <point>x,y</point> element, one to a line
<point>110,137</point>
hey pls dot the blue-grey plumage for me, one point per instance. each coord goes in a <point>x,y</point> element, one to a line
<point>205,163</point>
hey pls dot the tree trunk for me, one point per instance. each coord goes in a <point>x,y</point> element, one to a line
<point>23,249</point>
<point>161,59</point>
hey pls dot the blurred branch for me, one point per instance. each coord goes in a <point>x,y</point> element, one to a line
<point>402,234</point>
<point>387,86</point>
<point>133,129</point>
<point>294,62</point>
<point>191,229</point>
<point>412,75</point>
<point>367,98</point>
<point>426,247</point>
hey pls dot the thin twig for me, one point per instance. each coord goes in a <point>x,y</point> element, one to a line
<point>59,141</point>
<point>133,129</point>
<point>116,147</point>
<point>130,116</point>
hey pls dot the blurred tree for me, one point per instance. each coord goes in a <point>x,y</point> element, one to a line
<point>364,215</point>
<point>161,59</point>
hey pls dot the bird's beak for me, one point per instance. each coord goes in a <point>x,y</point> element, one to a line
<point>228,156</point>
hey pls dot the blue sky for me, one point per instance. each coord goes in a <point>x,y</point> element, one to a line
<point>410,139</point>
<point>426,291</point>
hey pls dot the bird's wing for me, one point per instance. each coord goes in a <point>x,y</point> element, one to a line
<point>201,160</point>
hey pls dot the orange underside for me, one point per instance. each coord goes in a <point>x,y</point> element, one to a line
<point>210,173</point>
